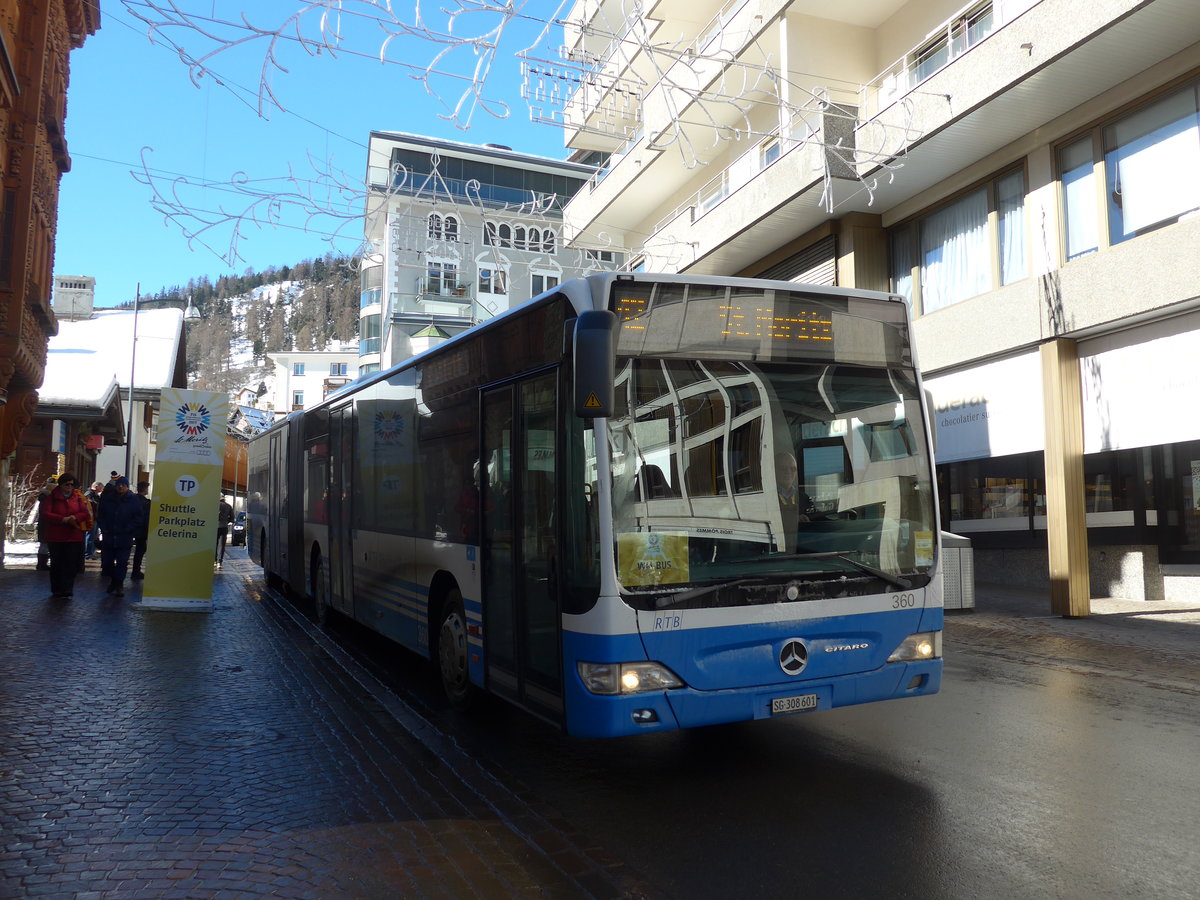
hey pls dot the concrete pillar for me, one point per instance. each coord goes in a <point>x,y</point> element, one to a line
<point>1070,586</point>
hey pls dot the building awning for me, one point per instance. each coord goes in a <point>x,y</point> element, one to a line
<point>432,331</point>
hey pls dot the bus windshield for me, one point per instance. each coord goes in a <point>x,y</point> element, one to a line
<point>781,456</point>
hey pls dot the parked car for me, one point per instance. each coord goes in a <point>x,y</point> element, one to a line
<point>237,535</point>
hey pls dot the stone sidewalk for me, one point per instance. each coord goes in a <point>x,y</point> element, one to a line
<point>153,754</point>
<point>1153,643</point>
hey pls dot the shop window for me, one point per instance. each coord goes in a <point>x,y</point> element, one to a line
<point>994,494</point>
<point>1181,474</point>
<point>1109,481</point>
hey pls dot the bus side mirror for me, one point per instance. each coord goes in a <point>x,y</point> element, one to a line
<point>594,363</point>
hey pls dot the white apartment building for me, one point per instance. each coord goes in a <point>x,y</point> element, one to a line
<point>460,232</point>
<point>1025,172</point>
<point>304,378</point>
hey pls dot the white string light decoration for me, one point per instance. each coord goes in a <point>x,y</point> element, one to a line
<point>588,70</point>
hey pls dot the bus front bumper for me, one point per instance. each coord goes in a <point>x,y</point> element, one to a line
<point>592,715</point>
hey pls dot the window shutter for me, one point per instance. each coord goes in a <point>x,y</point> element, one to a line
<point>816,264</point>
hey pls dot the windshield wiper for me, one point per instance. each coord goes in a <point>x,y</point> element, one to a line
<point>897,581</point>
<point>684,596</point>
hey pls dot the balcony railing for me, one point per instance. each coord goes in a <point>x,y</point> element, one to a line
<point>954,37</point>
<point>334,382</point>
<point>804,125</point>
<point>421,184</point>
<point>444,289</point>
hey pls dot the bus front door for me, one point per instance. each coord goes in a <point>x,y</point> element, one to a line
<point>341,519</point>
<point>519,542</point>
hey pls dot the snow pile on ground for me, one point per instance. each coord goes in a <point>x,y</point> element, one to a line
<point>20,553</point>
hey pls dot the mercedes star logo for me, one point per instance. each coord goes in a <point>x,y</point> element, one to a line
<point>793,657</point>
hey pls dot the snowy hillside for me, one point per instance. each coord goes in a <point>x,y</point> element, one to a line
<point>228,347</point>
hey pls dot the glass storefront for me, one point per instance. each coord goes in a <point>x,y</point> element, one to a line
<point>1147,495</point>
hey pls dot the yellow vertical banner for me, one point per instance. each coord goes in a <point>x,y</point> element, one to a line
<point>189,458</point>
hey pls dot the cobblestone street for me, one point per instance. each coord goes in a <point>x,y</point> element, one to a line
<point>155,754</point>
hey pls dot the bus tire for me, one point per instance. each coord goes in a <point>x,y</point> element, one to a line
<point>453,651</point>
<point>320,595</point>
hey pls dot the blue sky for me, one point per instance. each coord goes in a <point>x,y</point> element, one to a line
<point>127,94</point>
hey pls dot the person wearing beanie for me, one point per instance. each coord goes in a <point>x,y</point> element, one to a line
<point>121,517</point>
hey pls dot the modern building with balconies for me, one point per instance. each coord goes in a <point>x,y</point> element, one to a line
<point>458,232</point>
<point>1026,173</point>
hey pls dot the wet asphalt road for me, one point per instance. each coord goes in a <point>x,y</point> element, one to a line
<point>1044,768</point>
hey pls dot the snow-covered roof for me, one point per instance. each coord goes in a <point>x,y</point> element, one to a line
<point>257,419</point>
<point>86,357</point>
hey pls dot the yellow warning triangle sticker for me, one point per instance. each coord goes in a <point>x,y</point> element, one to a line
<point>592,402</point>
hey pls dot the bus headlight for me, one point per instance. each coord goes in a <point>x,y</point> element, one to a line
<point>917,647</point>
<point>627,678</point>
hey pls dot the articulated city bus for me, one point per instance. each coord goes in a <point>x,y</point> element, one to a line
<point>635,503</point>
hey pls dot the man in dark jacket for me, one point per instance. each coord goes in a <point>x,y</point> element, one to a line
<point>106,493</point>
<point>224,520</point>
<point>121,517</point>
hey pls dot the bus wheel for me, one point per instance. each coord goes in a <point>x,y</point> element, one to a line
<point>320,595</point>
<point>452,651</point>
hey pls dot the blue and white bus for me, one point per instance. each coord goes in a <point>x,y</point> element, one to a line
<point>635,503</point>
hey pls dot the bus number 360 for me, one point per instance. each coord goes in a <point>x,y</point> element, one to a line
<point>903,601</point>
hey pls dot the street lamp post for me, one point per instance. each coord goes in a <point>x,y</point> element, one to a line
<point>190,315</point>
<point>137,299</point>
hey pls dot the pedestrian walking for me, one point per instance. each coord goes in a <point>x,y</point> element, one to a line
<point>139,541</point>
<point>224,520</point>
<point>109,490</point>
<point>90,539</point>
<point>121,515</point>
<point>43,553</point>
<point>67,515</point>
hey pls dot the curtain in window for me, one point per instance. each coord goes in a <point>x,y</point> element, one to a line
<point>1079,199</point>
<point>902,264</point>
<point>1010,208</point>
<point>955,261</point>
<point>1153,165</point>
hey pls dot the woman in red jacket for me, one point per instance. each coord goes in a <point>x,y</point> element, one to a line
<point>68,518</point>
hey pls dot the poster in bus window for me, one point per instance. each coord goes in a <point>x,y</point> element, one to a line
<point>652,557</point>
<point>385,455</point>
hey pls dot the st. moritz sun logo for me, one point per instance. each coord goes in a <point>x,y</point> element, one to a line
<point>389,427</point>
<point>193,419</point>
